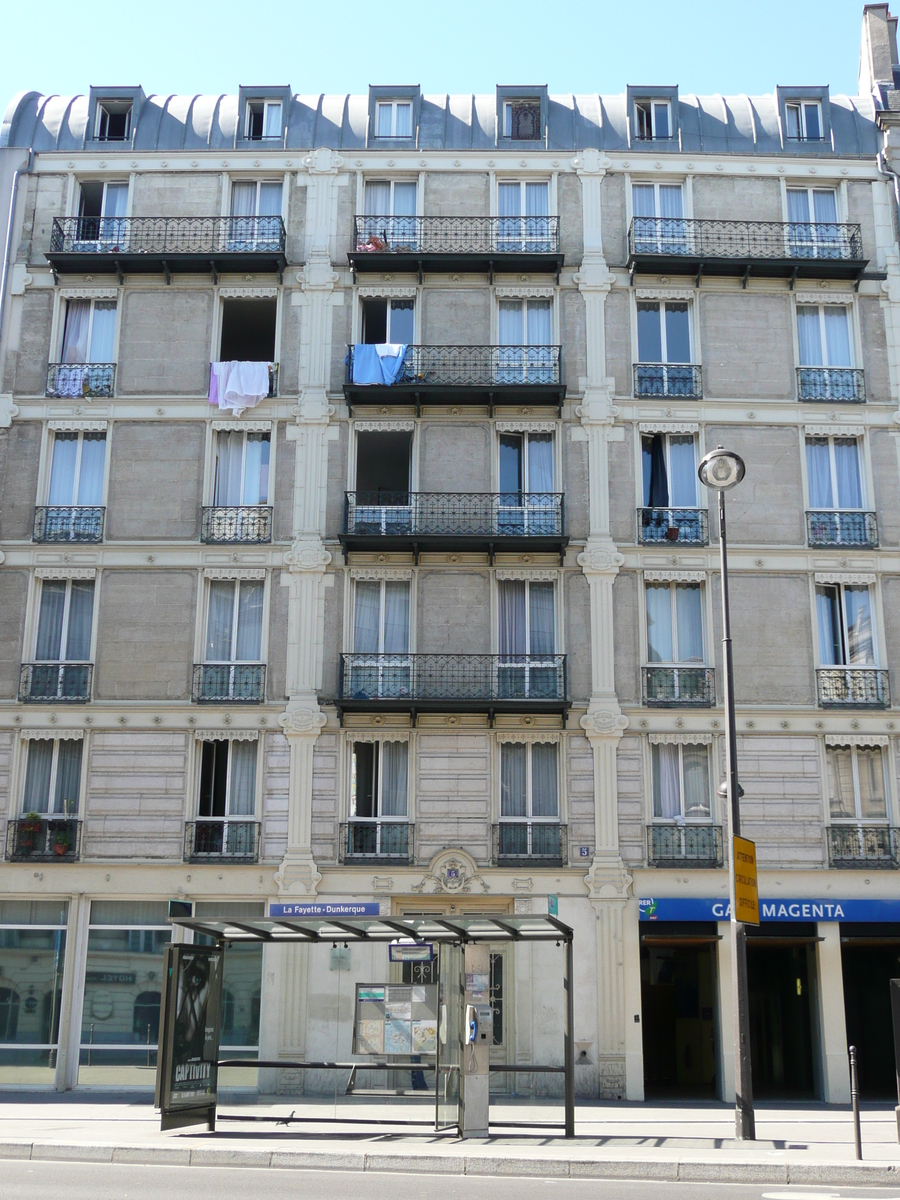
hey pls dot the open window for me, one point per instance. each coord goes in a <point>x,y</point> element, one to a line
<point>379,800</point>
<point>803,121</point>
<point>101,211</point>
<point>527,502</point>
<point>388,321</point>
<point>382,503</point>
<point>227,804</point>
<point>652,120</point>
<point>263,121</point>
<point>248,331</point>
<point>670,509</point>
<point>112,120</point>
<point>86,364</point>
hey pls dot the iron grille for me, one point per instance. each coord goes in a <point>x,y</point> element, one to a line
<point>674,236</point>
<point>474,366</point>
<point>668,379</point>
<point>461,514</point>
<point>530,843</point>
<point>221,839</point>
<point>226,526</point>
<point>273,379</point>
<point>81,379</point>
<point>679,687</point>
<point>377,841</point>
<point>684,845</point>
<point>838,385</point>
<point>689,526</point>
<point>55,682</point>
<point>238,683</point>
<point>164,236</point>
<point>826,528</point>
<point>853,687</point>
<point>39,837</point>
<point>73,523</point>
<point>863,846</point>
<point>453,677</point>
<point>456,235</point>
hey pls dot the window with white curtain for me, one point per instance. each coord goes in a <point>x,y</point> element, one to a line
<point>823,334</point>
<point>52,776</point>
<point>65,619</point>
<point>833,473</point>
<point>101,198</point>
<point>526,463</point>
<point>803,121</point>
<point>256,198</point>
<point>856,783</point>
<point>263,120</point>
<point>680,776</point>
<point>652,120</point>
<point>381,617</point>
<point>664,331</point>
<point>674,622</point>
<point>657,200</point>
<point>227,779</point>
<point>241,468</point>
<point>523,208</point>
<point>77,468</point>
<point>527,639</point>
<point>379,775</point>
<point>89,332</point>
<point>393,119</point>
<point>845,624</point>
<point>234,621</point>
<point>669,468</point>
<point>390,198</point>
<point>525,322</point>
<point>813,231</point>
<point>529,781</point>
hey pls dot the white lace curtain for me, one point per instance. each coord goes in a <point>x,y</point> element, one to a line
<point>39,772</point>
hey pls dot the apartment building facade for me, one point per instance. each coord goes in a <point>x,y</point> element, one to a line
<point>423,611</point>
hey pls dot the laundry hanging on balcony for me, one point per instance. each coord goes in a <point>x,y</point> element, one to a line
<point>238,385</point>
<point>378,364</point>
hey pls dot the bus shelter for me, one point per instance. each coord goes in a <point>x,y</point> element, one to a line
<point>442,1028</point>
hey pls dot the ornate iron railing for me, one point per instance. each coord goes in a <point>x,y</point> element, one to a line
<point>680,236</point>
<point>227,525</point>
<point>448,514</point>
<point>453,677</point>
<point>668,379</point>
<point>273,379</point>
<point>679,687</point>
<point>533,843</point>
<point>829,528</point>
<point>863,846</point>
<point>81,379</point>
<point>837,385</point>
<point>688,526</point>
<point>236,683</point>
<point>55,682</point>
<point>68,523</point>
<point>472,366</point>
<point>167,236</point>
<point>853,687</point>
<point>221,839</point>
<point>684,845</point>
<point>376,840</point>
<point>43,837</point>
<point>456,235</point>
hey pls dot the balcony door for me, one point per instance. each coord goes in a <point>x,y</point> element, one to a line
<point>382,502</point>
<point>844,619</point>
<point>812,223</point>
<point>101,210</point>
<point>63,643</point>
<point>227,803</point>
<point>527,502</point>
<point>75,493</point>
<point>256,214</point>
<point>391,322</point>
<point>658,210</point>
<point>664,341</point>
<point>241,469</point>
<point>89,337</point>
<point>52,777</point>
<point>379,800</point>
<point>525,333</point>
<point>381,664</point>
<point>527,667</point>
<point>826,352</point>
<point>669,488</point>
<point>233,648</point>
<point>390,216</point>
<point>523,209</point>
<point>529,802</point>
<point>675,641</point>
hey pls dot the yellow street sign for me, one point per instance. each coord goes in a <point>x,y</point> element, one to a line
<point>746,892</point>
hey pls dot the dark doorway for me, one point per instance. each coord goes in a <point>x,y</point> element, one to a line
<point>382,467</point>
<point>870,959</point>
<point>248,331</point>
<point>679,1010</point>
<point>780,971</point>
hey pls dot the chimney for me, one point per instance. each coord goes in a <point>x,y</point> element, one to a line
<point>878,50</point>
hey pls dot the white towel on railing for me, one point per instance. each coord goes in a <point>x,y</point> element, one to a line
<point>241,385</point>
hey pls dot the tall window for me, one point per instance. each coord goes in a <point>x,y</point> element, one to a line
<point>256,212</point>
<point>658,210</point>
<point>263,121</point>
<point>379,780</point>
<point>529,801</point>
<point>381,617</point>
<point>652,120</point>
<point>242,468</point>
<point>527,641</point>
<point>525,329</point>
<point>856,783</point>
<point>669,470</point>
<point>664,331</point>
<point>64,620</point>
<point>77,469</point>
<point>234,622</point>
<point>680,782</point>
<point>526,483</point>
<point>523,208</point>
<point>674,622</point>
<point>812,223</point>
<point>53,777</point>
<point>833,473</point>
<point>823,331</point>
<point>89,337</point>
<point>100,208</point>
<point>227,803</point>
<point>844,618</point>
<point>390,197</point>
<point>804,121</point>
<point>389,321</point>
<point>393,119</point>
<point>390,216</point>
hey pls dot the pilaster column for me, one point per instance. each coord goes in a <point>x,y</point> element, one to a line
<point>298,873</point>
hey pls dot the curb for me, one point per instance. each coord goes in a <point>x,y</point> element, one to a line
<point>647,1169</point>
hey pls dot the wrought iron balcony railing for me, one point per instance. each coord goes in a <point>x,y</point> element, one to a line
<point>826,527</point>
<point>374,840</point>
<point>687,526</point>
<point>68,523</point>
<point>81,379</point>
<point>236,683</point>
<point>473,243</point>
<point>865,846</point>
<point>679,687</point>
<point>55,682</point>
<point>226,525</point>
<point>273,380</point>
<point>43,837</point>
<point>832,385</point>
<point>853,687</point>
<point>530,843</point>
<point>221,839</point>
<point>684,845</point>
<point>683,380</point>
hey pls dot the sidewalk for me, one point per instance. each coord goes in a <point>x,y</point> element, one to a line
<point>800,1144</point>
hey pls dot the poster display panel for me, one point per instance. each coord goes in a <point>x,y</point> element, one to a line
<point>187,1071</point>
<point>395,1018</point>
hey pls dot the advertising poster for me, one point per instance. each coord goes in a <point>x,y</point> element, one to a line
<point>193,1001</point>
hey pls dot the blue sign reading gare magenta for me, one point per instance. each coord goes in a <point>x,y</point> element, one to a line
<point>696,909</point>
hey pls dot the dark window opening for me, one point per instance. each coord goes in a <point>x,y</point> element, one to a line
<point>113,121</point>
<point>255,122</point>
<point>213,779</point>
<point>91,198</point>
<point>388,321</point>
<point>248,331</point>
<point>523,120</point>
<point>781,982</point>
<point>365,770</point>
<point>511,464</point>
<point>870,961</point>
<point>382,464</point>
<point>145,1025</point>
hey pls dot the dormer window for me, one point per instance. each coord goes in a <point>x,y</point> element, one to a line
<point>804,121</point>
<point>652,120</point>
<point>113,121</point>
<point>393,119</point>
<point>522,120</point>
<point>263,120</point>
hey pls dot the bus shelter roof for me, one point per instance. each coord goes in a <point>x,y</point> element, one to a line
<point>487,927</point>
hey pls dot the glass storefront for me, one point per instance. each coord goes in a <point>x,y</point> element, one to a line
<point>241,989</point>
<point>32,955</point>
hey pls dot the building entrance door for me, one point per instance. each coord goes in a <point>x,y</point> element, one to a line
<point>782,977</point>
<point>870,958</point>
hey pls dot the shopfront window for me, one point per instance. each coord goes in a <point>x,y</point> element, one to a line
<point>32,954</point>
<point>241,988</point>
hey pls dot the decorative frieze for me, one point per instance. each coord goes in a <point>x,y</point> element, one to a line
<point>856,739</point>
<point>376,574</point>
<point>388,290</point>
<point>226,735</point>
<point>62,735</point>
<point>681,739</point>
<point>664,293</point>
<point>823,430</point>
<point>89,293</point>
<point>384,426</point>
<point>248,293</point>
<point>378,735</point>
<point>669,427</point>
<point>523,426</point>
<point>528,737</point>
<point>524,291</point>
<point>65,573</point>
<point>527,573</point>
<point>674,575</point>
<point>76,425</point>
<point>234,573</point>
<point>244,426</point>
<point>860,578</point>
<point>845,298</point>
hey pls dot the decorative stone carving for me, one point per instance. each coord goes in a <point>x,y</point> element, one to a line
<point>527,736</point>
<point>78,426</point>
<point>234,572</point>
<point>608,879</point>
<point>523,903</point>
<point>829,430</point>
<point>596,559</point>
<point>451,871</point>
<point>248,293</point>
<point>379,735</point>
<point>245,426</point>
<point>845,298</point>
<point>857,739</point>
<point>88,293</point>
<point>681,739</point>
<point>524,426</point>
<point>526,573</point>
<point>377,290</point>
<point>602,720</point>
<point>674,575</point>
<point>382,883</point>
<point>384,426</point>
<point>591,162</point>
<point>65,573</point>
<point>862,578</point>
<point>669,427</point>
<point>226,735</point>
<point>302,720</point>
<point>8,410</point>
<point>63,735</point>
<point>395,574</point>
<point>323,161</point>
<point>524,292</point>
<point>664,293</point>
<point>307,557</point>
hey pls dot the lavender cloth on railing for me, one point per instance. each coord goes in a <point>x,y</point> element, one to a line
<point>379,364</point>
<point>238,385</point>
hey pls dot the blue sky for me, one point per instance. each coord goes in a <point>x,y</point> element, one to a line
<point>704,46</point>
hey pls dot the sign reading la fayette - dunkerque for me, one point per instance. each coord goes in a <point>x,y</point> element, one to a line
<point>329,908</point>
<point>711,909</point>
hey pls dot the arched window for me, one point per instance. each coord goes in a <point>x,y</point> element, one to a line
<point>145,1025</point>
<point>9,1014</point>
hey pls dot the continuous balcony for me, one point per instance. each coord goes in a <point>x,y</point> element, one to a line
<point>81,523</point>
<point>853,687</point>
<point>374,841</point>
<point>863,847</point>
<point>45,838</point>
<point>81,380</point>
<point>221,839</point>
<point>679,687</point>
<point>234,525</point>
<point>229,683</point>
<point>454,683</point>
<point>837,530</point>
<point>467,375</point>
<point>774,249</point>
<point>684,845</point>
<point>443,244</point>
<point>438,521</point>
<point>166,245</point>
<point>55,682</point>
<point>831,385</point>
<point>531,843</point>
<point>681,380</point>
<point>665,526</point>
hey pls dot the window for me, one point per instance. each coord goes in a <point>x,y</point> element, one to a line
<point>113,121</point>
<point>813,231</point>
<point>77,469</point>
<point>89,336</point>
<point>393,119</point>
<point>669,470</point>
<point>390,216</point>
<point>833,473</point>
<point>263,120</point>
<point>803,120</point>
<point>61,669</point>
<point>53,777</point>
<point>388,321</point>
<point>102,208</point>
<point>527,503</point>
<point>383,467</point>
<point>527,640</point>
<point>234,624</point>
<point>256,215</point>
<point>658,211</point>
<point>856,783</point>
<point>652,120</point>
<point>523,209</point>
<point>522,120</point>
<point>674,622</point>
<point>525,323</point>
<point>823,332</point>
<point>378,780</point>
<point>529,784</point>
<point>227,791</point>
<point>32,962</point>
<point>248,332</point>
<point>664,339</point>
<point>680,782</point>
<point>381,617</point>
<point>241,468</point>
<point>844,619</point>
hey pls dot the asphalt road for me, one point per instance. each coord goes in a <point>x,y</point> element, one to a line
<point>112,1181</point>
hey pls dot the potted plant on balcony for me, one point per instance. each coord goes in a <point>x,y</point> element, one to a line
<point>29,830</point>
<point>62,835</point>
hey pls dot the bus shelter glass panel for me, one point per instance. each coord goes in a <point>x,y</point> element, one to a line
<point>32,955</point>
<point>241,991</point>
<point>452,981</point>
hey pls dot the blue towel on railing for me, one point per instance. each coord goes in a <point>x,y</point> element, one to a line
<point>377,364</point>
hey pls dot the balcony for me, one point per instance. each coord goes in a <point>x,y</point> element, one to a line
<point>221,839</point>
<point>80,523</point>
<point>863,847</point>
<point>41,837</point>
<point>775,249</point>
<point>529,844</point>
<point>827,528</point>
<point>481,683</point>
<point>684,845</point>
<point>476,521</point>
<point>831,385</point>
<point>166,245</point>
<point>443,244</point>
<point>853,687</point>
<point>77,380</point>
<point>663,526</point>
<point>229,526</point>
<point>366,842</point>
<point>55,682</point>
<point>681,380</point>
<point>214,383</point>
<point>478,375</point>
<point>679,687</point>
<point>231,683</point>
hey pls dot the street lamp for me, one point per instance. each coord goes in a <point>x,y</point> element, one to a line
<point>722,470</point>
